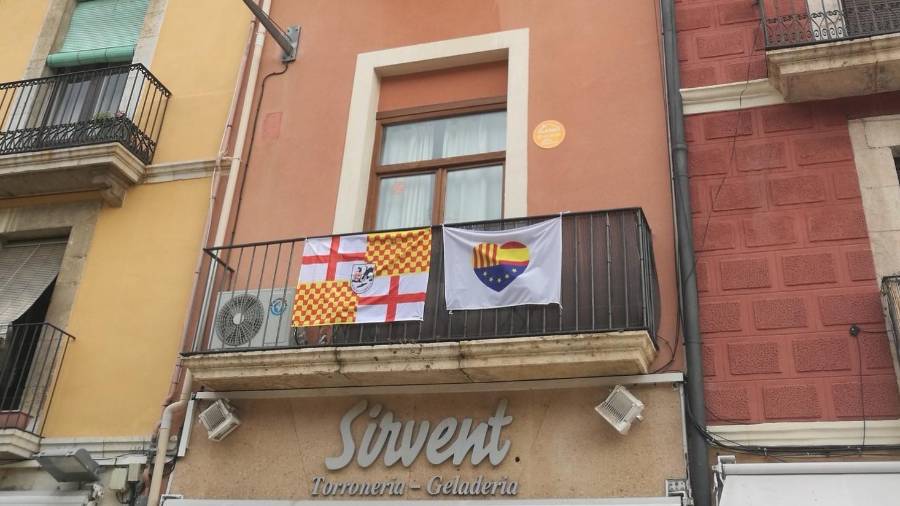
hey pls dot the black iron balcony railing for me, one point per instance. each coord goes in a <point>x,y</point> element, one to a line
<point>890,290</point>
<point>31,356</point>
<point>608,284</point>
<point>789,23</point>
<point>124,104</point>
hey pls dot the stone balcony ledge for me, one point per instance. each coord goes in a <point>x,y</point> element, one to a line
<point>486,360</point>
<point>109,168</point>
<point>842,68</point>
<point>16,444</point>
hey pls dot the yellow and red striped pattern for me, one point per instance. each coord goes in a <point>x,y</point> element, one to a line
<point>489,254</point>
<point>485,255</point>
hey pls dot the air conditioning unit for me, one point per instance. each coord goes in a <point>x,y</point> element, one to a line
<point>253,319</point>
<point>219,420</point>
<point>621,409</point>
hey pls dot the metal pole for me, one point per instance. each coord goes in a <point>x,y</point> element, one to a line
<point>287,43</point>
<point>698,459</point>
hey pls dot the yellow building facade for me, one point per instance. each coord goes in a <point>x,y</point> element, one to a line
<point>106,166</point>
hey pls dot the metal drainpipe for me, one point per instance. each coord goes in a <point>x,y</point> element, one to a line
<point>698,458</point>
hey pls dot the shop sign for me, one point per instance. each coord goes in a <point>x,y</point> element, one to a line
<point>402,442</point>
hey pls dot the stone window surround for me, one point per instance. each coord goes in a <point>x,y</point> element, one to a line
<point>78,220</point>
<point>875,141</point>
<point>511,46</point>
<point>75,218</point>
<point>59,12</point>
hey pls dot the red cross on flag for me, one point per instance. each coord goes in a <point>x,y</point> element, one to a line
<point>364,278</point>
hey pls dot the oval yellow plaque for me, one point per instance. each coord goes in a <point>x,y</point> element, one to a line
<point>549,134</point>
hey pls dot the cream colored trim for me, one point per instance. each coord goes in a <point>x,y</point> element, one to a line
<point>59,12</point>
<point>15,443</point>
<point>499,386</point>
<point>511,46</point>
<point>874,140</point>
<point>810,433</point>
<point>149,35</point>
<point>106,451</point>
<point>730,97</point>
<point>177,171</point>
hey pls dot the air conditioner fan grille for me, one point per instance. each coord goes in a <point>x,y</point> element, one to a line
<point>239,320</point>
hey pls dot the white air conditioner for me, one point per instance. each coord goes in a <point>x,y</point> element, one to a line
<point>253,319</point>
<point>621,409</point>
<point>219,420</point>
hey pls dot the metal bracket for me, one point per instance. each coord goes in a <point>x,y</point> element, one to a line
<point>679,488</point>
<point>288,39</point>
<point>293,35</point>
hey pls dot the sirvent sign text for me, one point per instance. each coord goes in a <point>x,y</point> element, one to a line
<point>396,441</point>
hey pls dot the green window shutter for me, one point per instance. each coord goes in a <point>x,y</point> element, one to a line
<point>101,31</point>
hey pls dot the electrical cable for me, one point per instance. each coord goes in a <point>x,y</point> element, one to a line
<point>262,93</point>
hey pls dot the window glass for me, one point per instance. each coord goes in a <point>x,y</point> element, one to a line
<point>474,194</point>
<point>405,201</point>
<point>443,138</point>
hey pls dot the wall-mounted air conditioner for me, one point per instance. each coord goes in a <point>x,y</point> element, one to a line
<point>219,419</point>
<point>254,318</point>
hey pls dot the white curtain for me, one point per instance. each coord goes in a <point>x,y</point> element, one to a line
<point>475,133</point>
<point>409,142</point>
<point>443,138</point>
<point>405,201</point>
<point>474,194</point>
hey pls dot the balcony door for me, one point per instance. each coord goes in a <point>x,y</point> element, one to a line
<point>87,95</point>
<point>28,271</point>
<point>18,350</point>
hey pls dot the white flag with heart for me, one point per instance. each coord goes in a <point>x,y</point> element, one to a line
<point>488,269</point>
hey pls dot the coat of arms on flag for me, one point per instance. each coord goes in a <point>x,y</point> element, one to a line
<point>487,269</point>
<point>364,278</point>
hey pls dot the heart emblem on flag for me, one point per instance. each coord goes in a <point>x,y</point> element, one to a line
<point>499,265</point>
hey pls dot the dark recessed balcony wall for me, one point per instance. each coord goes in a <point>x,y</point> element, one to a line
<point>31,356</point>
<point>81,131</point>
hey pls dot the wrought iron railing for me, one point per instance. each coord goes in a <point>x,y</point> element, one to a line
<point>124,104</point>
<point>788,23</point>
<point>890,290</point>
<point>608,284</point>
<point>31,356</point>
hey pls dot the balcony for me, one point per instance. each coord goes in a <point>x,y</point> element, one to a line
<point>605,326</point>
<point>30,359</point>
<point>83,131</point>
<point>825,49</point>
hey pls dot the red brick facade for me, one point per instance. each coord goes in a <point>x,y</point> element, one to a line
<point>784,267</point>
<point>716,41</point>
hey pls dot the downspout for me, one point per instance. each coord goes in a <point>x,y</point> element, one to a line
<point>207,222</point>
<point>165,425</point>
<point>241,136</point>
<point>162,444</point>
<point>698,458</point>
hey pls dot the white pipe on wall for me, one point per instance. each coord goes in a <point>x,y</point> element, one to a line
<point>244,121</point>
<point>165,425</point>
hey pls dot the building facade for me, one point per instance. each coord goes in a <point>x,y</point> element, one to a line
<point>111,118</point>
<point>791,128</point>
<point>397,114</point>
<point>178,178</point>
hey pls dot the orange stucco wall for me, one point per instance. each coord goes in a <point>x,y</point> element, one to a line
<point>608,95</point>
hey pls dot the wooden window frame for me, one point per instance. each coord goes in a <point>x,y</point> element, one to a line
<point>439,167</point>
